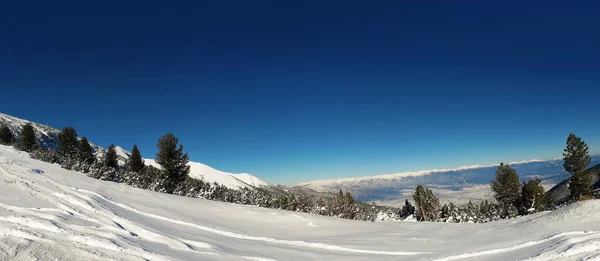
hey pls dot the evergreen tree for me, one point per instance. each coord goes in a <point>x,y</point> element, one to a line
<point>6,136</point>
<point>68,143</point>
<point>407,210</point>
<point>444,213</point>
<point>85,152</point>
<point>136,162</point>
<point>110,159</point>
<point>532,196</point>
<point>27,140</point>
<point>427,203</point>
<point>576,156</point>
<point>506,186</point>
<point>173,161</point>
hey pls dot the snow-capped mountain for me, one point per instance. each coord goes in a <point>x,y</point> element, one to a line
<point>397,186</point>
<point>230,180</point>
<point>47,136</point>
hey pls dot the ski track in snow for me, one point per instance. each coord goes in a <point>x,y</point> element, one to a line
<point>254,238</point>
<point>595,234</point>
<point>111,230</point>
<point>90,226</point>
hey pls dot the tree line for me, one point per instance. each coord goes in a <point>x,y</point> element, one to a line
<point>512,197</point>
<point>77,154</point>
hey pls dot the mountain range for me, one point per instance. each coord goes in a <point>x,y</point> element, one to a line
<point>395,187</point>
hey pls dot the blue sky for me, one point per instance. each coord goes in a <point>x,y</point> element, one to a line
<point>314,89</point>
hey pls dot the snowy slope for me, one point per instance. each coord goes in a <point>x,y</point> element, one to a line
<point>207,173</point>
<point>48,213</point>
<point>47,135</point>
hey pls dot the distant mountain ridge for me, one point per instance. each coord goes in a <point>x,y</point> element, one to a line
<point>394,186</point>
<point>47,136</point>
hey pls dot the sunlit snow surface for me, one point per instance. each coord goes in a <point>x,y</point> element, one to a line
<point>48,213</point>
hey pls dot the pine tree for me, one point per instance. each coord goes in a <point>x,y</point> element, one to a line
<point>136,162</point>
<point>173,161</point>
<point>576,156</point>
<point>85,152</point>
<point>27,140</point>
<point>6,136</point>
<point>532,196</point>
<point>427,203</point>
<point>444,213</point>
<point>506,186</point>
<point>110,159</point>
<point>67,142</point>
<point>407,210</point>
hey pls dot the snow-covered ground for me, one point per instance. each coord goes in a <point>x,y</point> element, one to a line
<point>48,213</point>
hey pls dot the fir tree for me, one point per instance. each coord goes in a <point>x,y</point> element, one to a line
<point>444,213</point>
<point>427,203</point>
<point>136,162</point>
<point>576,161</point>
<point>27,140</point>
<point>407,210</point>
<point>506,186</point>
<point>67,142</point>
<point>6,136</point>
<point>532,196</point>
<point>173,161</point>
<point>85,152</point>
<point>110,159</point>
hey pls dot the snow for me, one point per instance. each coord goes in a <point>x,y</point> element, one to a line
<point>207,173</point>
<point>122,152</point>
<point>56,214</point>
<point>198,170</point>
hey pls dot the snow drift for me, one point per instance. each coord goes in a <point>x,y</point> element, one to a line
<point>49,213</point>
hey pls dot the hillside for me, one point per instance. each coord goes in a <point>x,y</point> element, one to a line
<point>559,194</point>
<point>49,213</point>
<point>207,173</point>
<point>47,136</point>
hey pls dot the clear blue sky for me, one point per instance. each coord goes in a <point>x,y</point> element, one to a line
<point>293,91</point>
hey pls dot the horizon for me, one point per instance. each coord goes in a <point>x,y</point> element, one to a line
<point>300,182</point>
<point>356,90</point>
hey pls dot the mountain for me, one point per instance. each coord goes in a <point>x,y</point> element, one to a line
<point>47,136</point>
<point>50,213</point>
<point>395,187</point>
<point>230,180</point>
<point>560,193</point>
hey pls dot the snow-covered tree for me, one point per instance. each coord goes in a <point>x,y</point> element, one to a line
<point>407,210</point>
<point>532,196</point>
